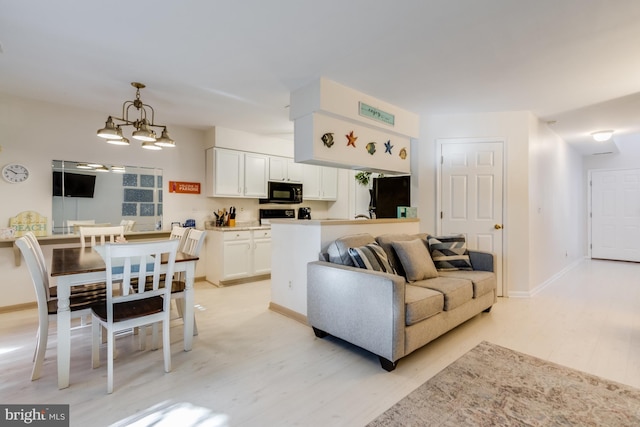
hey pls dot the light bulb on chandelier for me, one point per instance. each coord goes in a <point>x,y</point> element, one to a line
<point>112,132</point>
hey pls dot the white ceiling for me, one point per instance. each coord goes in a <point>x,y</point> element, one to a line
<point>234,63</point>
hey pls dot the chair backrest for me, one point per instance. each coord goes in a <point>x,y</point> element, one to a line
<point>39,274</point>
<point>193,243</point>
<point>72,225</point>
<point>127,224</point>
<point>179,233</point>
<point>101,233</point>
<point>139,260</point>
<point>35,246</point>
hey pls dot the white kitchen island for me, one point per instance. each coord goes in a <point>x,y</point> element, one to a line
<point>294,243</point>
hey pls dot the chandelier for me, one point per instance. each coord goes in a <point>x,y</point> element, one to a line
<point>112,132</point>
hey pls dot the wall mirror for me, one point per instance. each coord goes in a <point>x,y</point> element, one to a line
<point>93,193</point>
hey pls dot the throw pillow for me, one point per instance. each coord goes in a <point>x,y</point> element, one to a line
<point>371,257</point>
<point>449,252</point>
<point>415,260</point>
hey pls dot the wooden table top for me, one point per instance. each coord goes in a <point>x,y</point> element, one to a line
<point>66,261</point>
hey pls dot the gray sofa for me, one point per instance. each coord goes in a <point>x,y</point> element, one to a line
<point>385,313</point>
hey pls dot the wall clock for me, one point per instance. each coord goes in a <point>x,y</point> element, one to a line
<point>15,173</point>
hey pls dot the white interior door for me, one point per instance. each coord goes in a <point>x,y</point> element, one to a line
<point>615,214</point>
<point>471,196</point>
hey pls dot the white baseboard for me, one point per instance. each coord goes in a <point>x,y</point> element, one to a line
<point>533,292</point>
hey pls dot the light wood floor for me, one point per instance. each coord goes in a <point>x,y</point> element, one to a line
<point>263,369</point>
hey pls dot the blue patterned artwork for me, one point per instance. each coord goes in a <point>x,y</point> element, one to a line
<point>129,209</point>
<point>147,209</point>
<point>130,180</point>
<point>134,195</point>
<point>147,181</point>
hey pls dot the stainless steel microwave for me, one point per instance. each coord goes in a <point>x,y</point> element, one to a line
<point>283,192</point>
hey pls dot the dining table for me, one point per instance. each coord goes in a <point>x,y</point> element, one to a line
<point>76,266</point>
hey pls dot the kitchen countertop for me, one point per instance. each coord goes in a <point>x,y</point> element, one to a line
<point>342,221</point>
<point>239,228</point>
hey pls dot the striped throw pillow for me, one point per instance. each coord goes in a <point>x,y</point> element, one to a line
<point>371,257</point>
<point>449,252</point>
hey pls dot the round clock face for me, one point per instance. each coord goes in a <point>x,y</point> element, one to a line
<point>15,173</point>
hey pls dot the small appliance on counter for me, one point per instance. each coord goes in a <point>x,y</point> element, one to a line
<point>190,223</point>
<point>304,213</point>
<point>266,215</point>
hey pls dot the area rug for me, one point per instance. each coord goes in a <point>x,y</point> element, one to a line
<point>494,386</point>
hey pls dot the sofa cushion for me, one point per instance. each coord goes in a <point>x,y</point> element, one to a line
<point>386,240</point>
<point>449,252</point>
<point>371,257</point>
<point>415,259</point>
<point>421,303</point>
<point>483,281</point>
<point>338,250</point>
<point>456,291</point>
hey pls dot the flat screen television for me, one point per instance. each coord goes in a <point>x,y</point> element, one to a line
<point>75,184</point>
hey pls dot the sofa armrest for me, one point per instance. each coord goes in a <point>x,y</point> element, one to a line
<point>363,307</point>
<point>482,261</point>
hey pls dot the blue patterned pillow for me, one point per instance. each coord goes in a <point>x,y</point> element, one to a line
<point>449,252</point>
<point>371,257</point>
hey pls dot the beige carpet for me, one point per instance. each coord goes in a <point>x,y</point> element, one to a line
<point>494,386</point>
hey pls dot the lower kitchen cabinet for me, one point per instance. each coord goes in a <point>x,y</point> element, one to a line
<point>238,255</point>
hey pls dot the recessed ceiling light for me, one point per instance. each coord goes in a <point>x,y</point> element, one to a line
<point>602,135</point>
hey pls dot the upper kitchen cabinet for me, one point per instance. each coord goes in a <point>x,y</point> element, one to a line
<point>232,173</point>
<point>319,183</point>
<point>284,169</point>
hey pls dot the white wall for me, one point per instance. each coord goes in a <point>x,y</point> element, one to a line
<point>557,231</point>
<point>35,133</point>
<point>628,157</point>
<point>512,127</point>
<point>544,217</point>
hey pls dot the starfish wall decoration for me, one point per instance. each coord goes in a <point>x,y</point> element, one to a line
<point>352,139</point>
<point>388,147</point>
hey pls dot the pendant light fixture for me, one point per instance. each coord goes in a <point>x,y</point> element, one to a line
<point>144,132</point>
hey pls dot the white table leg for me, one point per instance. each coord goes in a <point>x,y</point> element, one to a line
<point>64,333</point>
<point>190,272</point>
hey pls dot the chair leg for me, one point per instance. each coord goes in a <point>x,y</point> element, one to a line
<point>181,307</point>
<point>96,330</point>
<point>41,347</point>
<point>166,344</point>
<point>154,336</point>
<point>110,351</point>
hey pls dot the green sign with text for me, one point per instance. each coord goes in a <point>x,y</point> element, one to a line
<point>376,114</point>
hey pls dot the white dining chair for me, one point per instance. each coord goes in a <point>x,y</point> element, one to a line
<point>98,235</point>
<point>128,225</point>
<point>179,233</point>
<point>137,306</point>
<point>192,245</point>
<point>73,225</point>
<point>85,291</point>
<point>80,304</point>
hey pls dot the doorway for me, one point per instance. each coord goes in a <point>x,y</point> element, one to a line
<point>615,214</point>
<point>471,195</point>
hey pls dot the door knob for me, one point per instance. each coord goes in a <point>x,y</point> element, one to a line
<point>498,226</point>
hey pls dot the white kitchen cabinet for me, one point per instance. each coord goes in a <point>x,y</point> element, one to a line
<point>232,173</point>
<point>261,252</point>
<point>238,255</point>
<point>284,169</point>
<point>320,183</point>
